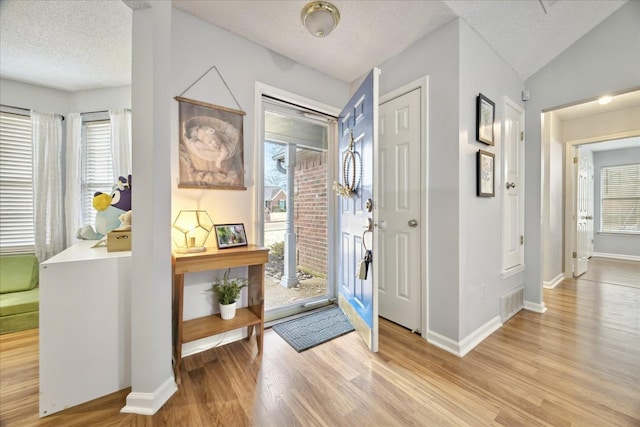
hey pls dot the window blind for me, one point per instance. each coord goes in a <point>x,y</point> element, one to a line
<point>16,184</point>
<point>620,199</point>
<point>97,172</point>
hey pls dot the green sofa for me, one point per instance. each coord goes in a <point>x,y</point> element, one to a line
<point>19,293</point>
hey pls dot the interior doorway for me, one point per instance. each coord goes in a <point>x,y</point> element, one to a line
<point>295,208</point>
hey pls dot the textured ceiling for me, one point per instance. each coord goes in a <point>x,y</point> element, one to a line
<point>85,44</point>
<point>67,45</point>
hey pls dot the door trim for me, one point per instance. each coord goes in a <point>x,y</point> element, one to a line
<point>571,190</point>
<point>422,84</point>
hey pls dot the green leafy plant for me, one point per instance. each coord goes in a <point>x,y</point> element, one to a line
<point>228,290</point>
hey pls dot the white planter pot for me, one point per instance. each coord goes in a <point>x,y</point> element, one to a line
<point>228,311</point>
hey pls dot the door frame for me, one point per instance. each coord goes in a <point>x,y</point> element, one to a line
<point>422,84</point>
<point>571,193</point>
<point>258,168</point>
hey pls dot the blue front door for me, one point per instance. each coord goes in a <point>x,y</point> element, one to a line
<point>357,134</point>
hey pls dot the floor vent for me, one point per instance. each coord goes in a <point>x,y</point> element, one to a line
<point>511,303</point>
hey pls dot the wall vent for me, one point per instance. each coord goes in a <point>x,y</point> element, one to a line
<point>511,303</point>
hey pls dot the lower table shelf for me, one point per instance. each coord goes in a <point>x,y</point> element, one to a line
<point>203,327</point>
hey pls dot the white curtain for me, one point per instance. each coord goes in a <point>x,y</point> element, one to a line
<point>73,196</point>
<point>121,141</point>
<point>48,218</point>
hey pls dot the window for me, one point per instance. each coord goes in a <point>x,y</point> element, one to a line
<point>97,171</point>
<point>16,188</point>
<point>620,199</point>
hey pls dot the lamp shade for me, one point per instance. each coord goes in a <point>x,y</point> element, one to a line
<point>190,230</point>
<point>320,18</point>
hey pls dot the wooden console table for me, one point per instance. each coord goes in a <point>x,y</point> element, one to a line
<point>251,317</point>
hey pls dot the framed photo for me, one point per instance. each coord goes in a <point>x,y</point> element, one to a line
<point>230,235</point>
<point>211,146</point>
<point>485,116</point>
<point>486,174</point>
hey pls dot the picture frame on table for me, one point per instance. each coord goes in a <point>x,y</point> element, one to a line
<point>486,174</point>
<point>230,235</point>
<point>485,117</point>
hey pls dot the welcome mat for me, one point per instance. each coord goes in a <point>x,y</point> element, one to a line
<point>313,329</point>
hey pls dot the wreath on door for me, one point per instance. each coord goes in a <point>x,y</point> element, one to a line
<point>348,187</point>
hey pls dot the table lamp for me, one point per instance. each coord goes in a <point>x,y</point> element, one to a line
<point>190,230</point>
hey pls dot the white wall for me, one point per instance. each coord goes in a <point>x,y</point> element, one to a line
<point>481,71</point>
<point>437,56</point>
<point>49,100</point>
<point>242,63</point>
<point>553,192</point>
<point>112,98</point>
<point>464,230</point>
<point>603,126</point>
<point>626,245</point>
<point>604,60</point>
<point>29,96</point>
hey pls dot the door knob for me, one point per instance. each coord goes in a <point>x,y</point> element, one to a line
<point>413,223</point>
<point>511,185</point>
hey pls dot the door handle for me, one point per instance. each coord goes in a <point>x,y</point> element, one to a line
<point>511,185</point>
<point>413,223</point>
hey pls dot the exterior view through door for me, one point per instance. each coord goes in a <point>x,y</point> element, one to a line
<point>295,207</point>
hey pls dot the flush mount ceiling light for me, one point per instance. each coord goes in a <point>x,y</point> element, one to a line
<point>604,100</point>
<point>320,18</point>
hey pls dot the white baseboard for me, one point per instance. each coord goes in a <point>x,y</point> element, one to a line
<point>463,347</point>
<point>203,344</point>
<point>617,256</point>
<point>554,282</point>
<point>532,306</point>
<point>149,403</point>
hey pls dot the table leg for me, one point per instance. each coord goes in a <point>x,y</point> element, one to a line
<point>178,293</point>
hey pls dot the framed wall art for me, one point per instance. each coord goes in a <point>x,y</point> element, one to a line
<point>486,174</point>
<point>211,146</point>
<point>230,235</point>
<point>485,116</point>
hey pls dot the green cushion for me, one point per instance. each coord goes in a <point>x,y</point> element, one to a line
<point>19,322</point>
<point>19,302</point>
<point>18,273</point>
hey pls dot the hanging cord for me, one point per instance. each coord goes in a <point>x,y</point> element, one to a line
<point>221,78</point>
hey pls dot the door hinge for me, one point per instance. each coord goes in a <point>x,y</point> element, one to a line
<point>575,255</point>
<point>575,160</point>
<point>521,135</point>
<point>522,240</point>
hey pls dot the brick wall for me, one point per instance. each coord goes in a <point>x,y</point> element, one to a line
<point>310,199</point>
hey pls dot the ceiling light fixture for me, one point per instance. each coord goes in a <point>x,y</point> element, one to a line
<point>320,18</point>
<point>604,100</point>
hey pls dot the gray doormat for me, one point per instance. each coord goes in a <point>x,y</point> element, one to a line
<point>309,331</point>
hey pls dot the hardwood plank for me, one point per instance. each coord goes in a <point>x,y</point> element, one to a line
<point>577,364</point>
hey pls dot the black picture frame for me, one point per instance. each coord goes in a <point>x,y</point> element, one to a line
<point>485,162</point>
<point>485,118</point>
<point>230,235</point>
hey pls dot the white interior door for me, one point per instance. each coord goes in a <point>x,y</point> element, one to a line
<point>590,190</point>
<point>513,187</point>
<point>357,136</point>
<point>580,257</point>
<point>399,287</point>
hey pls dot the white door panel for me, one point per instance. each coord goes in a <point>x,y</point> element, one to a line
<point>399,205</point>
<point>512,187</point>
<point>581,260</point>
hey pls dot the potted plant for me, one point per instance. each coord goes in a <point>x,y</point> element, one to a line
<point>228,291</point>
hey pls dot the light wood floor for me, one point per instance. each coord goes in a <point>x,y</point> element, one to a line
<point>576,365</point>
